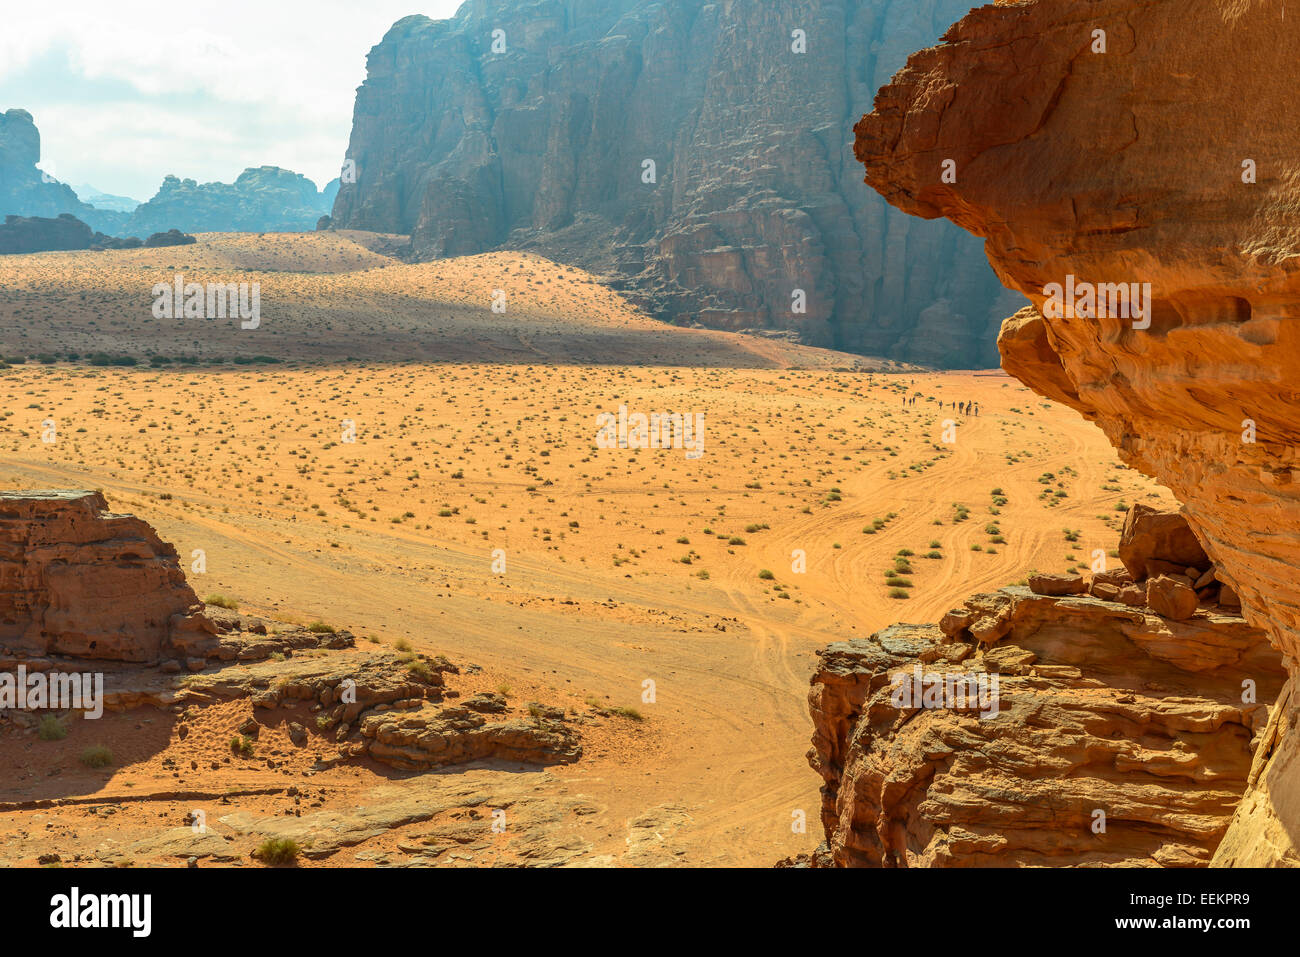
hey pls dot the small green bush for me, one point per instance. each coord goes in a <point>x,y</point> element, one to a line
<point>97,756</point>
<point>52,729</point>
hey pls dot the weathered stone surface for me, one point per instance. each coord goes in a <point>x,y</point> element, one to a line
<point>1132,193</point>
<point>1057,584</point>
<point>431,737</point>
<point>542,147</point>
<point>1171,598</point>
<point>1153,535</point>
<point>78,580</point>
<point>1099,708</point>
<point>1261,834</point>
<point>386,706</point>
<point>180,842</point>
<point>372,679</point>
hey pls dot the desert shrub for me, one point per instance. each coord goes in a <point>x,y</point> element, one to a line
<point>97,756</point>
<point>277,851</point>
<point>421,669</point>
<point>52,729</point>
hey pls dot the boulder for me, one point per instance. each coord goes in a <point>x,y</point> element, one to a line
<point>1159,542</point>
<point>1106,592</point>
<point>1171,598</point>
<point>1057,584</point>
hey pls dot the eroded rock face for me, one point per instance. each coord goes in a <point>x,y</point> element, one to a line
<point>78,580</point>
<point>1131,166</point>
<point>1100,708</point>
<point>541,143</point>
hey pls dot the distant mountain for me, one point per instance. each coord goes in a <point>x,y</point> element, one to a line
<point>102,200</point>
<point>26,191</point>
<point>265,199</point>
<point>262,200</point>
<point>698,154</point>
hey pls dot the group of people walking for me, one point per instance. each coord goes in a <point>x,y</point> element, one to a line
<point>965,408</point>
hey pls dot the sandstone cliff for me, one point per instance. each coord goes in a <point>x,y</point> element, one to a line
<point>1167,159</point>
<point>542,145</point>
<point>77,580</point>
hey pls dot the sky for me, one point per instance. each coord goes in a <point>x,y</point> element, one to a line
<point>126,91</point>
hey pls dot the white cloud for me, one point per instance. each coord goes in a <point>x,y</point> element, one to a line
<point>128,91</point>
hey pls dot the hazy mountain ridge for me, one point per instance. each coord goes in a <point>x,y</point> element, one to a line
<point>262,199</point>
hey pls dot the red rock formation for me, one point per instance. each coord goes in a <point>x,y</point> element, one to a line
<point>1125,142</point>
<point>1100,708</point>
<point>78,580</point>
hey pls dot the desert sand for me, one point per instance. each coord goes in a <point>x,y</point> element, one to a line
<point>475,440</point>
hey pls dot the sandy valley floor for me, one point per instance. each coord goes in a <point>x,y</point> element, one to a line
<point>620,566</point>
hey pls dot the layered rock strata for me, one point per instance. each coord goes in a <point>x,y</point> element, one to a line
<point>1115,736</point>
<point>1092,147</point>
<point>78,580</point>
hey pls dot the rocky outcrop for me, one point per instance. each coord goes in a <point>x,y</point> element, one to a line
<point>265,199</point>
<point>1111,737</point>
<point>36,234</point>
<point>1091,146</point>
<point>379,704</point>
<point>173,237</point>
<point>429,736</point>
<point>80,581</point>
<point>542,144</point>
